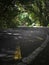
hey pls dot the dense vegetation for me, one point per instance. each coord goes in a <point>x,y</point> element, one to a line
<point>15,13</point>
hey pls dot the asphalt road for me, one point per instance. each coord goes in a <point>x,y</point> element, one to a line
<point>29,39</point>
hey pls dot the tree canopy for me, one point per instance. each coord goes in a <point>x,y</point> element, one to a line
<point>15,13</point>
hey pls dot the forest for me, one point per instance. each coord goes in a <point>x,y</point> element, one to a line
<point>30,13</point>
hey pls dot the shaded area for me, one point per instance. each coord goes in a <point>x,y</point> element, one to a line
<point>29,39</point>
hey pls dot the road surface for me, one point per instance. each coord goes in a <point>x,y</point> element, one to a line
<point>29,40</point>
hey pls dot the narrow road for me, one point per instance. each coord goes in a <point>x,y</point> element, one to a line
<point>34,44</point>
<point>27,60</point>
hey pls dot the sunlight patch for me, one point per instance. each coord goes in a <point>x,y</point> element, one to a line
<point>17,54</point>
<point>39,38</point>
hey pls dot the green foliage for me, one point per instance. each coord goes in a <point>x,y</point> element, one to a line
<point>15,13</point>
<point>7,13</point>
<point>36,12</point>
